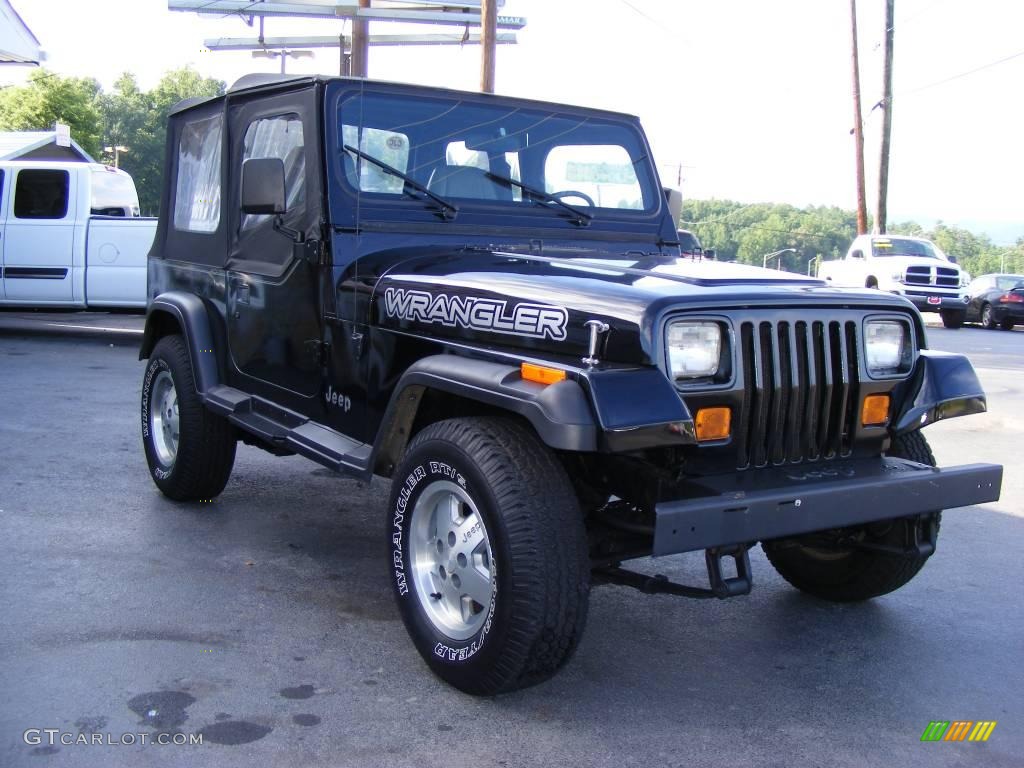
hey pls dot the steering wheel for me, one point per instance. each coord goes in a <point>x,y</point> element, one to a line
<point>573,193</point>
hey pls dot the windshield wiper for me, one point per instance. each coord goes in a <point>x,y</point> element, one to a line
<point>581,218</point>
<point>448,210</point>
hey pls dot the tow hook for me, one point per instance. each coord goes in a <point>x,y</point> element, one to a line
<point>720,585</point>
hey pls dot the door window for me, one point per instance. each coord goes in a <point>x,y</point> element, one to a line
<point>197,194</point>
<point>281,137</point>
<point>41,194</point>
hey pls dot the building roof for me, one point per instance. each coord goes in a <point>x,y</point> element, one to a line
<point>17,43</point>
<point>15,144</point>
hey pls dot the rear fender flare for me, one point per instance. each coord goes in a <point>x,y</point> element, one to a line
<point>193,320</point>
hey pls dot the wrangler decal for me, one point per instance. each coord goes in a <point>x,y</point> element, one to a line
<point>478,314</point>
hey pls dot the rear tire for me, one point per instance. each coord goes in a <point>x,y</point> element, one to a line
<point>190,451</point>
<point>814,565</point>
<point>952,318</point>
<point>489,559</point>
<point>1007,325</point>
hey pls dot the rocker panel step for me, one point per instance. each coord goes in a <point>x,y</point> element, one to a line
<point>274,424</point>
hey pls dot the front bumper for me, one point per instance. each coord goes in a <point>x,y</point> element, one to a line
<point>788,501</point>
<point>927,301</point>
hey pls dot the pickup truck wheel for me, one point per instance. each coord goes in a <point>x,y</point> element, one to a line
<point>489,560</point>
<point>986,317</point>
<point>190,451</point>
<point>820,565</point>
<point>952,318</point>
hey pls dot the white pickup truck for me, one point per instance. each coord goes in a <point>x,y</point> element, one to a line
<point>71,236</point>
<point>910,266</point>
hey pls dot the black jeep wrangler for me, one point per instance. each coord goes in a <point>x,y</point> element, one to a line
<point>484,299</point>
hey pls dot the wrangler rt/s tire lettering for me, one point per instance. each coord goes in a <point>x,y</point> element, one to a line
<point>821,565</point>
<point>190,451</point>
<point>489,560</point>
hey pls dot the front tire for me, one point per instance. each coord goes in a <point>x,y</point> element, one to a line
<point>190,451</point>
<point>952,318</point>
<point>815,564</point>
<point>490,566</point>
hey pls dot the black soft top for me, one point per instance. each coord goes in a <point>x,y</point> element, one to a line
<point>272,82</point>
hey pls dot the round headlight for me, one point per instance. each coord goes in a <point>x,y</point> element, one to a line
<point>887,347</point>
<point>694,348</point>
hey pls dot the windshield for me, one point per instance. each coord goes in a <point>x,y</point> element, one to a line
<point>113,194</point>
<point>898,246</point>
<point>473,152</point>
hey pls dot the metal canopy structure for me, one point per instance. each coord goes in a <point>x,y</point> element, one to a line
<point>465,13</point>
<point>327,41</point>
<point>17,43</point>
<point>354,49</point>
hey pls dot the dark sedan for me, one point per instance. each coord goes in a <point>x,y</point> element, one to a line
<point>996,301</point>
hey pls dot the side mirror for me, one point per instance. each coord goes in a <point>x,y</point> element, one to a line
<point>952,259</point>
<point>857,254</point>
<point>709,253</point>
<point>263,185</point>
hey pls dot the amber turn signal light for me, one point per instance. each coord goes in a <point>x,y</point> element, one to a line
<point>541,374</point>
<point>875,411</point>
<point>713,423</point>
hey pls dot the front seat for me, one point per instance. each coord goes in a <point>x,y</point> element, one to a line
<point>466,181</point>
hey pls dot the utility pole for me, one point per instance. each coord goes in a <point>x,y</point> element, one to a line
<point>358,63</point>
<point>488,33</point>
<point>883,166</point>
<point>858,128</point>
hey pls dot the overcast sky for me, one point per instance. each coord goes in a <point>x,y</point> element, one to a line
<point>750,97</point>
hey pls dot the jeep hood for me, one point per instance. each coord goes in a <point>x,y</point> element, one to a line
<point>542,302</point>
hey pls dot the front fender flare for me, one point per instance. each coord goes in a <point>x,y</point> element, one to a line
<point>559,413</point>
<point>947,386</point>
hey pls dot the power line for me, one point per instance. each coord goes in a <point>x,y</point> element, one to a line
<point>905,21</point>
<point>641,13</point>
<point>964,74</point>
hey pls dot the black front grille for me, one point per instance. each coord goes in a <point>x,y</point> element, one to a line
<point>943,277</point>
<point>947,278</point>
<point>800,390</point>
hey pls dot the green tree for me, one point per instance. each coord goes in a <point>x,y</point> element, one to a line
<point>138,120</point>
<point>48,98</point>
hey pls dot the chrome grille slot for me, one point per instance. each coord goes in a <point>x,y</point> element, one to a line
<point>799,390</point>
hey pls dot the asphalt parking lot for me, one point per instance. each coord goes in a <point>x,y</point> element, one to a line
<point>264,621</point>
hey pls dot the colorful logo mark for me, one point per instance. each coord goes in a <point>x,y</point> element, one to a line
<point>958,730</point>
